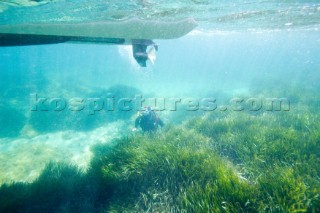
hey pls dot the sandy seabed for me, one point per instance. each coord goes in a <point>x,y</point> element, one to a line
<point>23,159</point>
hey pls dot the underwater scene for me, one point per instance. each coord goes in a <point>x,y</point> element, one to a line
<point>159,106</point>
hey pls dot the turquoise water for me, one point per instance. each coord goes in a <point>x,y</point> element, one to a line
<point>231,15</point>
<point>252,51</point>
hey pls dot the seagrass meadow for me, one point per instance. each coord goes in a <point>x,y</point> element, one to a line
<point>235,83</point>
<point>235,162</point>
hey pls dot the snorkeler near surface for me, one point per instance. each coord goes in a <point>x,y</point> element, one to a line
<point>148,120</point>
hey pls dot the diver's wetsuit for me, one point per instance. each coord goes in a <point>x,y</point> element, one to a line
<point>148,122</point>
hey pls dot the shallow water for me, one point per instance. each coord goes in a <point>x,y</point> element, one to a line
<point>242,53</point>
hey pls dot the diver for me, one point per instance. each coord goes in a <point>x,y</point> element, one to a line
<point>148,120</point>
